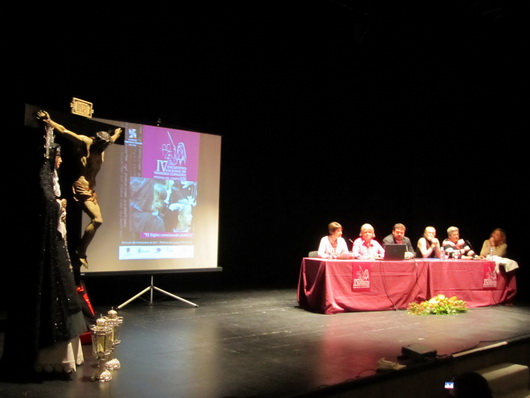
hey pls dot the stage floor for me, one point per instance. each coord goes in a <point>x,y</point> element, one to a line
<point>258,343</point>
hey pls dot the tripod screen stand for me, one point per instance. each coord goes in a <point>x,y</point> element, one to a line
<point>151,290</point>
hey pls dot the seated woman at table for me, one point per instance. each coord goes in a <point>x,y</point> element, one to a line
<point>365,247</point>
<point>455,247</point>
<point>497,242</point>
<point>428,244</point>
<point>333,245</point>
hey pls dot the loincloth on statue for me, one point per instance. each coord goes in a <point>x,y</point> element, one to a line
<point>83,192</point>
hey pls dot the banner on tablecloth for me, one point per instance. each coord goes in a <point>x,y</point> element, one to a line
<point>490,276</point>
<point>361,276</point>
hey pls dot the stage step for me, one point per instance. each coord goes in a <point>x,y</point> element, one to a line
<point>508,380</point>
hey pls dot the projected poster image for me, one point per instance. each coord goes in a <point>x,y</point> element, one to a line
<point>161,211</point>
<point>162,206</point>
<point>162,200</point>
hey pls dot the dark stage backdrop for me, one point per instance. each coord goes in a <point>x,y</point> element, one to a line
<point>361,113</point>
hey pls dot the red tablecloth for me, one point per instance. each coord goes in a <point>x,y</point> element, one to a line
<point>342,285</point>
<point>474,281</point>
<point>333,286</point>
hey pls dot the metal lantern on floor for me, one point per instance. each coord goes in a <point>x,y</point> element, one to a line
<point>114,321</point>
<point>102,348</point>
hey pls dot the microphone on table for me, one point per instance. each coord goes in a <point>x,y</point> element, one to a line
<point>469,244</point>
<point>352,244</point>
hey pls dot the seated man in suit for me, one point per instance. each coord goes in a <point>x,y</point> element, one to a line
<point>398,237</point>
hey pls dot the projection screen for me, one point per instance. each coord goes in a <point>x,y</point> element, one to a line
<point>159,195</point>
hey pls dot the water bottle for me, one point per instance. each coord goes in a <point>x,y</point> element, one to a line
<point>442,254</point>
<point>491,253</point>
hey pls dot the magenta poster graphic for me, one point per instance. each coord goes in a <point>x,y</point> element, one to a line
<point>489,275</point>
<point>361,276</point>
<point>170,154</point>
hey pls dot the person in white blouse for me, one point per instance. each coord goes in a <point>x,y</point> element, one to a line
<point>333,245</point>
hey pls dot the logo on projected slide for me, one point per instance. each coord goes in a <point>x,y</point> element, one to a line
<point>490,277</point>
<point>174,160</point>
<point>170,154</point>
<point>361,277</point>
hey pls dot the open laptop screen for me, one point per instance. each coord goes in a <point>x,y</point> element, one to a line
<point>395,251</point>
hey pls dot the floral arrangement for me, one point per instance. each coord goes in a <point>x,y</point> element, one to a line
<point>438,305</point>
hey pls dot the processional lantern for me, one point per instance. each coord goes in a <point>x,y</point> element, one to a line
<point>114,322</point>
<point>102,347</point>
<point>105,338</point>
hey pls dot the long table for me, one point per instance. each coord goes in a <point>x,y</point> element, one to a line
<point>334,286</point>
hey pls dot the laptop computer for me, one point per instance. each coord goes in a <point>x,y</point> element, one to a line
<point>395,252</point>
